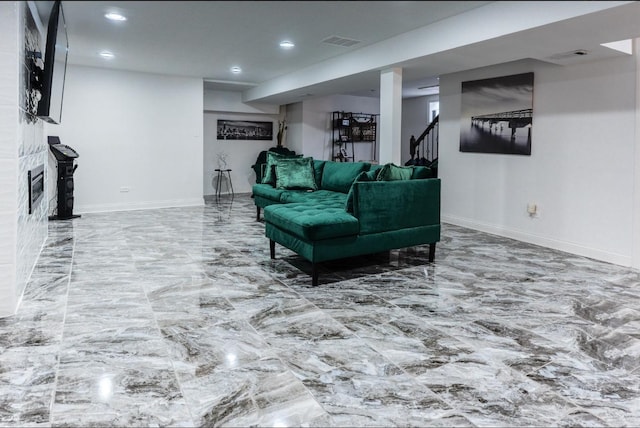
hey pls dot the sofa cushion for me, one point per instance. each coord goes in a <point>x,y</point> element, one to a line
<point>312,222</point>
<point>420,172</point>
<point>318,166</point>
<point>363,176</point>
<point>391,172</point>
<point>338,176</point>
<point>325,197</point>
<point>295,173</point>
<point>269,171</point>
<point>267,191</point>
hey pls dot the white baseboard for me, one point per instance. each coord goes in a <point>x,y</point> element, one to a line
<point>556,244</point>
<point>145,205</point>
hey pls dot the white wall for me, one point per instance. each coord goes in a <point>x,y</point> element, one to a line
<point>137,131</point>
<point>22,148</point>
<point>316,124</point>
<point>636,188</point>
<point>8,154</point>
<point>308,133</point>
<point>241,154</point>
<point>295,127</point>
<point>32,153</point>
<point>580,172</point>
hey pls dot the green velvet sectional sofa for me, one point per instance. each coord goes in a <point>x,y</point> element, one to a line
<point>344,209</point>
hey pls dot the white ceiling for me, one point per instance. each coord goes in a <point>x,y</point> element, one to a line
<point>206,38</point>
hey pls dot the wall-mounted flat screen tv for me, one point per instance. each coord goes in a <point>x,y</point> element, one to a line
<point>55,67</point>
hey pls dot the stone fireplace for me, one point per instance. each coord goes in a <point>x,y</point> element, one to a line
<point>35,183</point>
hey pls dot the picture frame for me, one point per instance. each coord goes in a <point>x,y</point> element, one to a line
<point>497,115</point>
<point>244,130</point>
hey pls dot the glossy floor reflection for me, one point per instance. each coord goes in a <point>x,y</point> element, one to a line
<point>177,317</point>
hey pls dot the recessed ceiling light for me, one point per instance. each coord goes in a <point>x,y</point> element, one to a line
<point>286,44</point>
<point>236,70</point>
<point>107,55</point>
<point>114,16</point>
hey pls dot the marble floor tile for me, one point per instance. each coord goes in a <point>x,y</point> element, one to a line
<point>257,393</point>
<point>471,385</point>
<point>178,317</point>
<point>27,383</point>
<point>137,392</point>
<point>309,360</point>
<point>200,348</point>
<point>611,395</point>
<point>388,399</point>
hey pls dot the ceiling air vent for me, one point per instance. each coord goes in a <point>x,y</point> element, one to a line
<point>340,41</point>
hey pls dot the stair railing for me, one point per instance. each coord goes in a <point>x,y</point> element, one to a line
<point>429,143</point>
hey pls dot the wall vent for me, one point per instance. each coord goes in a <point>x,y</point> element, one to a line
<point>340,41</point>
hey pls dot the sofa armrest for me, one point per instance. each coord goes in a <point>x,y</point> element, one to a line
<point>391,205</point>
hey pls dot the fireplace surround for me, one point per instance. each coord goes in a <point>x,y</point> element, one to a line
<point>35,184</point>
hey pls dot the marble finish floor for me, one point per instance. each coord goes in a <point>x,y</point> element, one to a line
<point>177,317</point>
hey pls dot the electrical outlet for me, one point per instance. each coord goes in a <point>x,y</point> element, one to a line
<point>532,209</point>
<point>124,189</point>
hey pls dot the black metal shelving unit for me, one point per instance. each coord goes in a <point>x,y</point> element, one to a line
<point>350,128</point>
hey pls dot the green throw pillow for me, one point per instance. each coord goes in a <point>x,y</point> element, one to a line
<point>363,176</point>
<point>338,176</point>
<point>391,172</point>
<point>420,172</point>
<point>372,174</point>
<point>295,173</point>
<point>269,170</point>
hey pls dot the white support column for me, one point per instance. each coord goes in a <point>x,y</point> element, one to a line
<point>390,147</point>
<point>635,222</point>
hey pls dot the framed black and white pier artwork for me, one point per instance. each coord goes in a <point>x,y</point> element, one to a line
<point>244,130</point>
<point>497,115</point>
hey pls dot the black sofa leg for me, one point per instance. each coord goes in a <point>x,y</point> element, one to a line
<point>314,274</point>
<point>257,213</point>
<point>272,248</point>
<point>432,252</point>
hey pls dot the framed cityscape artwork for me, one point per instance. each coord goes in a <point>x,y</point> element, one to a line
<point>244,130</point>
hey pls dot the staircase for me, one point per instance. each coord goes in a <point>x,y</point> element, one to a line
<point>424,149</point>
